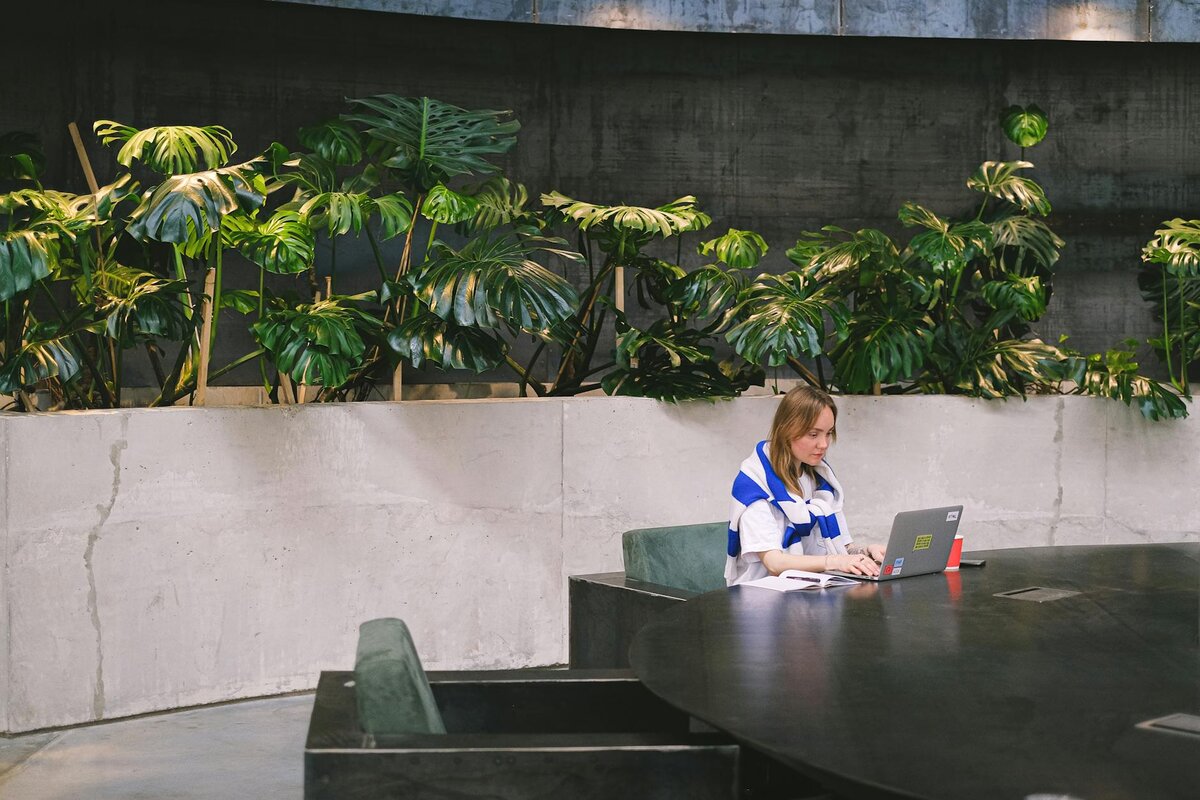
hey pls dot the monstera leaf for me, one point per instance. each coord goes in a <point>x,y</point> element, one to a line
<point>837,254</point>
<point>707,292</point>
<point>667,363</point>
<point>943,242</point>
<point>668,220</point>
<point>736,249</point>
<point>1000,179</point>
<point>394,212</point>
<point>621,231</point>
<point>446,344</point>
<point>1022,297</point>
<point>1176,246</point>
<point>782,317</point>
<point>283,244</point>
<point>170,149</point>
<point>1030,236</point>
<point>25,258</point>
<point>975,363</point>
<point>45,354</point>
<point>882,347</point>
<point>318,343</point>
<point>447,207</point>
<point>1115,375</point>
<point>341,212</point>
<point>1024,127</point>
<point>137,305</point>
<point>189,208</point>
<point>21,156</point>
<point>493,282</point>
<point>336,141</point>
<point>499,201</point>
<point>427,142</point>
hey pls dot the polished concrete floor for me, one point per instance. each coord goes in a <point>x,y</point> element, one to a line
<point>252,749</point>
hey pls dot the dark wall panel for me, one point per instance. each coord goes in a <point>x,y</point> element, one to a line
<point>774,133</point>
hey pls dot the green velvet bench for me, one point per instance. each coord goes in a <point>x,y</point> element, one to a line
<point>663,566</point>
<point>390,730</point>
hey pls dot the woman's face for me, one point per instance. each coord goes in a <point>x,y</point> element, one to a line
<point>810,447</point>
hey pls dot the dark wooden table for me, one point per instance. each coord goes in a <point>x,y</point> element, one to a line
<point>934,687</point>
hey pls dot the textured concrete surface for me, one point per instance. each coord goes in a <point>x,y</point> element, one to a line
<point>1103,20</point>
<point>174,557</point>
<point>188,557</point>
<point>242,750</point>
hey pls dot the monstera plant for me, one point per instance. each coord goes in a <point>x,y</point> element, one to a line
<point>386,170</point>
<point>1169,281</point>
<point>76,298</point>
<point>950,310</point>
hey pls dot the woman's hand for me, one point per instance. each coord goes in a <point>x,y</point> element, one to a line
<point>853,563</point>
<point>876,551</point>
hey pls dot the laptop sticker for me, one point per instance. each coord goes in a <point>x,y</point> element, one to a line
<point>896,571</point>
<point>887,570</point>
<point>923,542</point>
<point>899,562</point>
<point>951,516</point>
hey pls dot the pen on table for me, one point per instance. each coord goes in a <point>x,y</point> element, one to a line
<point>803,578</point>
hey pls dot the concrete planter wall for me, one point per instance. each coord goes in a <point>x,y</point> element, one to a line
<point>163,558</point>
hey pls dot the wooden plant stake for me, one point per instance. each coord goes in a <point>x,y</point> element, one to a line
<point>206,308</point>
<point>619,288</point>
<point>83,158</point>
<point>286,396</point>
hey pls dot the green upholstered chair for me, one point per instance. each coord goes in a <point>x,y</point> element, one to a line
<point>663,566</point>
<point>392,689</point>
<point>687,557</point>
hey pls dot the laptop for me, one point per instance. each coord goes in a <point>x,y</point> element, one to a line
<point>919,544</point>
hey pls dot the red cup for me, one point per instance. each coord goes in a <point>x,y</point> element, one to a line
<point>955,553</point>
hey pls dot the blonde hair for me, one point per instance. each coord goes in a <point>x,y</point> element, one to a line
<point>797,415</point>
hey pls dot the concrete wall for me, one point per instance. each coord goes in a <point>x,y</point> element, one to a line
<point>777,134</point>
<point>1105,20</point>
<point>163,558</point>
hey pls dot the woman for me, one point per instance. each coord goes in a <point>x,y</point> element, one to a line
<point>787,503</point>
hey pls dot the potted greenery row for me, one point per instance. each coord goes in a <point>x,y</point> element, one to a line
<point>137,268</point>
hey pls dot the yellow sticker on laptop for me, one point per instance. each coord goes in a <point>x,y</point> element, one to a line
<point>923,542</point>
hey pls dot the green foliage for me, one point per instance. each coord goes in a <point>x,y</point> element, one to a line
<point>136,306</point>
<point>45,354</point>
<point>336,141</point>
<point>21,157</point>
<point>317,343</point>
<point>427,142</point>
<point>489,283</point>
<point>736,249</point>
<point>447,207</point>
<point>1115,375</point>
<point>170,149</point>
<point>428,338</point>
<point>1168,280</point>
<point>1024,127</point>
<point>782,317</point>
<point>498,202</point>
<point>1176,246</point>
<point>283,244</point>
<point>1000,179</point>
<point>951,310</point>
<point>671,363</point>
<point>25,258</point>
<point>622,231</point>
<point>189,208</point>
